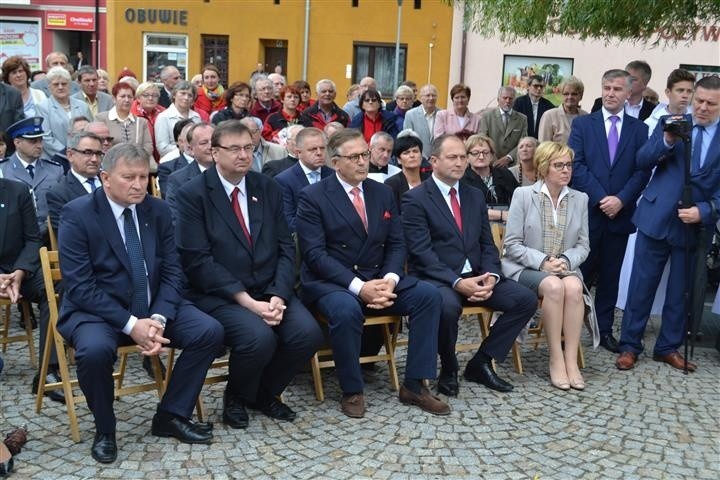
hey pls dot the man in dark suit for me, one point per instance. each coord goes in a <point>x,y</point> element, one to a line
<point>662,226</point>
<point>605,144</point>
<point>533,104</point>
<point>450,245</point>
<point>274,167</point>
<point>85,155</point>
<point>121,279</point>
<point>353,266</point>
<point>169,76</point>
<point>636,105</point>
<point>312,152</point>
<point>239,259</point>
<point>181,133</point>
<point>20,273</point>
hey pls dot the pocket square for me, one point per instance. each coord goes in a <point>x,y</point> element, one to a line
<point>387,215</point>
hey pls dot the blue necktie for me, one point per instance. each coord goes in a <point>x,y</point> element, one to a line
<point>697,148</point>
<point>314,177</point>
<point>31,171</point>
<point>139,306</point>
<point>91,182</point>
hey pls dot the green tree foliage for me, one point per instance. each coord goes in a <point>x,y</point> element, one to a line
<point>645,21</point>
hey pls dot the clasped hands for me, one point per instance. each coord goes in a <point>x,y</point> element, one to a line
<point>476,289</point>
<point>379,293</point>
<point>610,205</point>
<point>271,311</point>
<point>148,335</point>
<point>555,266</point>
<point>10,285</point>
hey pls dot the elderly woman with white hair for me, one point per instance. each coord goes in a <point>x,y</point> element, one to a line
<point>57,110</point>
<point>404,98</point>
<point>183,97</point>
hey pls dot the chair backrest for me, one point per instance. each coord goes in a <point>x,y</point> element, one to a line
<point>155,186</point>
<point>498,233</point>
<point>50,262</point>
<point>51,234</point>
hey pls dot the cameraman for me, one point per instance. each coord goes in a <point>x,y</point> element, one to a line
<point>662,223</point>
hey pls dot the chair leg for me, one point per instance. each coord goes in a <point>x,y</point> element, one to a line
<point>28,332</point>
<point>121,373</point>
<point>200,408</point>
<point>317,378</point>
<point>581,356</point>
<point>391,359</point>
<point>64,372</point>
<point>159,382</point>
<point>6,327</point>
<point>517,359</point>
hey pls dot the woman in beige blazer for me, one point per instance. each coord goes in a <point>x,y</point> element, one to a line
<point>546,240</point>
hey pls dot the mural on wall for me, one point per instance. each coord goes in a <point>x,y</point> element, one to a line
<point>518,69</point>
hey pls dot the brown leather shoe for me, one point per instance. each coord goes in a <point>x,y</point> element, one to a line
<point>675,360</point>
<point>426,401</point>
<point>626,361</point>
<point>353,405</point>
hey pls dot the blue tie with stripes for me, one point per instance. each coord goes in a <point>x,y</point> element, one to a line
<point>139,306</point>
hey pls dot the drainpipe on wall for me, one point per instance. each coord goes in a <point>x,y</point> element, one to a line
<point>306,39</point>
<point>97,34</point>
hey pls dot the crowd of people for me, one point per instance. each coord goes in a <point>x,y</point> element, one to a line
<point>271,209</point>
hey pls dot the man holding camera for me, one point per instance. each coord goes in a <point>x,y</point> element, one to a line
<point>664,227</point>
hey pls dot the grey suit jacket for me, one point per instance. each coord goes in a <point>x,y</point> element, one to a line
<point>506,138</point>
<point>524,234</point>
<point>271,151</point>
<point>415,120</point>
<point>104,101</point>
<point>11,106</point>
<point>56,122</point>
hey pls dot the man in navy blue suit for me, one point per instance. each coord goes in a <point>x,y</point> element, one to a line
<point>353,265</point>
<point>606,143</point>
<point>450,244</point>
<point>310,169</point>
<point>239,259</point>
<point>122,281</point>
<point>662,226</point>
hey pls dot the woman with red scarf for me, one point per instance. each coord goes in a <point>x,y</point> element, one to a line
<point>146,106</point>
<point>210,96</point>
<point>288,115</point>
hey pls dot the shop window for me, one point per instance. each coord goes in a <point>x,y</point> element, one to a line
<point>377,60</point>
<point>161,50</point>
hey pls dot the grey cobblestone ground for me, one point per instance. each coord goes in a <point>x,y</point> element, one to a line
<point>650,423</point>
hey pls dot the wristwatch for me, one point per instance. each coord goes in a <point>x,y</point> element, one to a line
<point>159,318</point>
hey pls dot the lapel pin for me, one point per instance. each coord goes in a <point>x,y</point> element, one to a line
<point>254,199</point>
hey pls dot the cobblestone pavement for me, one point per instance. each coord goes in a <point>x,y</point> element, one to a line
<point>650,423</point>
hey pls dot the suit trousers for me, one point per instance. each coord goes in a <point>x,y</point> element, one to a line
<point>263,357</point>
<point>650,258</point>
<point>33,289</point>
<point>518,303</point>
<point>346,314</point>
<point>95,341</point>
<point>602,267</point>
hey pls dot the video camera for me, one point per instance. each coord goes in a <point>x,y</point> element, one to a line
<point>677,125</point>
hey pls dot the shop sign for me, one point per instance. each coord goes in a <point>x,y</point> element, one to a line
<point>70,21</point>
<point>155,16</point>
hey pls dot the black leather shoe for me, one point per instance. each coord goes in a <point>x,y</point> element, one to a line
<point>484,373</point>
<point>234,413</point>
<point>206,427</point>
<point>104,448</point>
<point>166,424</point>
<point>147,365</point>
<point>447,383</point>
<point>274,408</point>
<point>51,377</point>
<point>609,343</point>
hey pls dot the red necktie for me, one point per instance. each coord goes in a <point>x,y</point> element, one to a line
<point>455,205</point>
<point>238,213</point>
<point>359,206</point>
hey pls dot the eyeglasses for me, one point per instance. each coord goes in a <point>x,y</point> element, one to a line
<point>371,100</point>
<point>235,149</point>
<point>355,157</point>
<point>89,153</point>
<point>477,153</point>
<point>560,166</point>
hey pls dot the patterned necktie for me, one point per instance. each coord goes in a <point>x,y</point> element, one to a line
<point>139,306</point>
<point>697,162</point>
<point>31,171</point>
<point>613,138</point>
<point>455,205</point>
<point>359,206</point>
<point>91,181</point>
<point>238,213</point>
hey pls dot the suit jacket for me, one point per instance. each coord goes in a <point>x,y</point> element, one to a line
<point>656,214</point>
<point>415,120</point>
<point>523,104</point>
<point>176,180</point>
<point>164,99</point>
<point>292,181</point>
<point>104,100</point>
<point>11,106</point>
<point>56,122</point>
<point>271,151</point>
<point>436,248</point>
<point>334,244</point>
<point>216,256</point>
<point>593,174</point>
<point>46,175</point>
<point>97,280</point>
<point>399,185</point>
<point>165,169</point>
<point>506,137</point>
<point>523,243</point>
<point>446,121</point>
<point>19,235</point>
<point>66,189</point>
<point>274,167</point>
<point>645,111</point>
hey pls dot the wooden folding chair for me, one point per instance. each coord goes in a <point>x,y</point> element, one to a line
<point>52,236</point>
<point>155,186</point>
<point>323,357</point>
<point>5,336</point>
<point>51,274</point>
